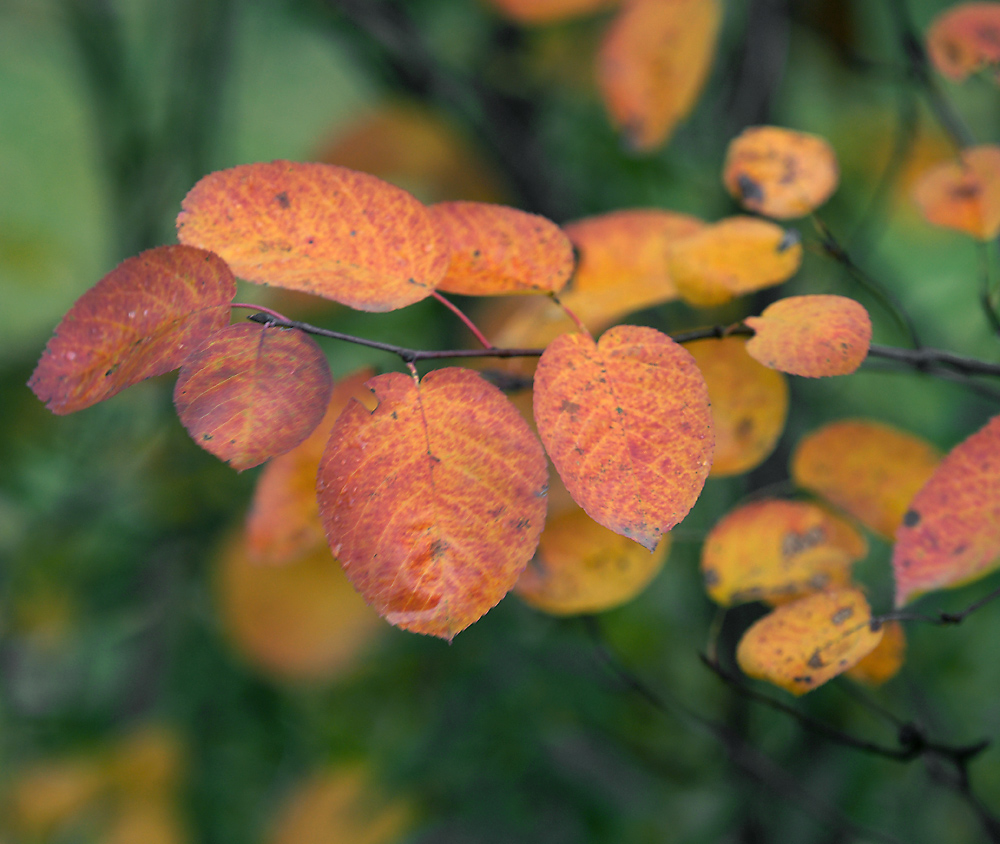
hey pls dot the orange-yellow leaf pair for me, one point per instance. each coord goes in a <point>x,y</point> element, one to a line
<point>626,423</point>
<point>776,550</point>
<point>811,336</point>
<point>731,258</point>
<point>780,173</point>
<point>951,532</point>
<point>434,501</point>
<point>964,195</point>
<point>144,318</point>
<point>866,468</point>
<point>965,39</point>
<point>802,645</point>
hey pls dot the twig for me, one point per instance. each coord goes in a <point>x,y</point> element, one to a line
<point>942,619</point>
<point>451,306</point>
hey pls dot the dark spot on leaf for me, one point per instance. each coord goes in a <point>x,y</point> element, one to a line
<point>206,437</point>
<point>911,518</point>
<point>789,239</point>
<point>711,577</point>
<point>815,661</point>
<point>282,200</point>
<point>807,679</point>
<point>795,543</point>
<point>749,189</point>
<point>394,415</point>
<point>841,615</point>
<point>353,233</point>
<point>438,547</point>
<point>570,407</point>
<point>875,625</point>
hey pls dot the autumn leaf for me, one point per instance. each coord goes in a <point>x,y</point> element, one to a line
<point>965,39</point>
<point>772,550</point>
<point>623,263</point>
<point>866,468</point>
<point>963,195</point>
<point>950,534</point>
<point>318,228</point>
<point>415,148</point>
<point>251,392</point>
<point>283,522</point>
<point>885,661</point>
<point>340,805</point>
<point>142,319</point>
<point>497,250</point>
<point>581,567</point>
<point>300,621</point>
<point>433,502</point>
<point>51,794</point>
<point>627,425</point>
<point>811,336</point>
<point>780,173</point>
<point>749,404</point>
<point>148,821</point>
<point>653,63</point>
<point>146,763</point>
<point>808,642</point>
<point>733,257</point>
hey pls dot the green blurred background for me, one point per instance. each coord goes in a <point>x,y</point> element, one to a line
<point>121,693</point>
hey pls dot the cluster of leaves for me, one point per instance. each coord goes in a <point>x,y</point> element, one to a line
<point>435,493</point>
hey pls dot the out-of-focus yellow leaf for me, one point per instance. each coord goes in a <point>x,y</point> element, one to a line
<point>732,257</point>
<point>869,469</point>
<point>885,661</point>
<point>808,642</point>
<point>581,567</point>
<point>965,194</point>
<point>147,821</point>
<point>52,793</point>
<point>773,550</point>
<point>780,173</point>
<point>146,763</point>
<point>653,63</point>
<point>811,336</point>
<point>749,403</point>
<point>299,621</point>
<point>340,806</point>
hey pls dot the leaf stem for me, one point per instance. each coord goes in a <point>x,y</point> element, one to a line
<point>451,306</point>
<point>576,320</point>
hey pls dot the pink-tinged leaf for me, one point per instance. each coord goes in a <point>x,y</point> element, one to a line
<point>434,501</point>
<point>963,195</point>
<point>811,336</point>
<point>251,392</point>
<point>318,228</point>
<point>142,319</point>
<point>627,424</point>
<point>964,39</point>
<point>496,250</point>
<point>951,533</point>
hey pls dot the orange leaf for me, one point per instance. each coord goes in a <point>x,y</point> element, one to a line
<point>142,319</point>
<point>623,263</point>
<point>434,502</point>
<point>812,336</point>
<point>735,256</point>
<point>885,661</point>
<point>549,11</point>
<point>964,195</point>
<point>771,550</point>
<point>780,173</point>
<point>627,424</point>
<point>283,522</point>
<point>802,645</point>
<point>414,147</point>
<point>964,39</point>
<point>299,621</point>
<point>950,535</point>
<point>749,403</point>
<point>653,63</point>
<point>581,567</point>
<point>497,250</point>
<point>341,806</point>
<point>320,229</point>
<point>250,392</point>
<point>868,469</point>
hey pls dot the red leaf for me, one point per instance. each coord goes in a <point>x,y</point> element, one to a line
<point>963,195</point>
<point>433,502</point>
<point>318,228</point>
<point>250,392</point>
<point>811,336</point>
<point>142,319</point>
<point>964,39</point>
<point>626,422</point>
<point>497,250</point>
<point>951,533</point>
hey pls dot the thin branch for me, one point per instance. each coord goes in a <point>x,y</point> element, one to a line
<point>921,358</point>
<point>942,619</point>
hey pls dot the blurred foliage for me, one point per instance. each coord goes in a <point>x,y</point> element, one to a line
<point>126,715</point>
